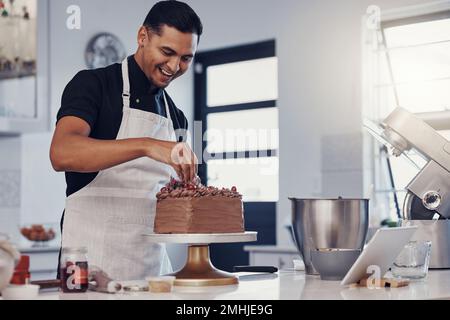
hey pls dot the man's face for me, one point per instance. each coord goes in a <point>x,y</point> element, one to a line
<point>167,56</point>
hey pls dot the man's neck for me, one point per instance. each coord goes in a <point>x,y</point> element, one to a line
<point>138,57</point>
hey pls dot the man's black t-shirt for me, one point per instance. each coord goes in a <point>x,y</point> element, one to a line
<point>96,97</point>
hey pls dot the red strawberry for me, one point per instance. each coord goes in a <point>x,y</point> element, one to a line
<point>233,188</point>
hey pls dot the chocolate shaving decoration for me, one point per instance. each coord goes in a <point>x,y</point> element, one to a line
<point>195,189</point>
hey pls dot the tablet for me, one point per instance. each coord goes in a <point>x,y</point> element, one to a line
<point>380,252</point>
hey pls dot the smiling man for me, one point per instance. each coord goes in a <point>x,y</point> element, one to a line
<point>115,139</point>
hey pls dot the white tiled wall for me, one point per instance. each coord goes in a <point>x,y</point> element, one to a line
<point>341,158</point>
<point>9,222</point>
<point>10,188</point>
<point>43,189</point>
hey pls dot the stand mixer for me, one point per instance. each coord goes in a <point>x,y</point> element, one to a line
<point>427,204</point>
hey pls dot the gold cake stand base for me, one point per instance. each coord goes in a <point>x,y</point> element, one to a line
<point>200,272</point>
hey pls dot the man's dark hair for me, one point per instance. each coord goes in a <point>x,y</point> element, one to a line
<point>175,14</point>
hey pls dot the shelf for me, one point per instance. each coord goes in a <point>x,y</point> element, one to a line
<point>7,75</point>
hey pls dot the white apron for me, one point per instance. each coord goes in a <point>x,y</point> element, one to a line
<point>111,213</point>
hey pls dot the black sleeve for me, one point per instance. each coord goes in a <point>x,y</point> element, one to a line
<point>82,98</point>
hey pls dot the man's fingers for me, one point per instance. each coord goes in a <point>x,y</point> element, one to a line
<point>193,171</point>
<point>179,171</point>
<point>176,156</point>
<point>195,165</point>
<point>186,172</point>
<point>184,159</point>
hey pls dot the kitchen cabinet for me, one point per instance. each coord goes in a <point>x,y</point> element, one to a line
<point>43,262</point>
<point>280,257</point>
<point>24,69</point>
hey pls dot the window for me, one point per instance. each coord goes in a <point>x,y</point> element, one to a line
<point>407,64</point>
<point>242,82</point>
<point>418,53</point>
<point>236,93</point>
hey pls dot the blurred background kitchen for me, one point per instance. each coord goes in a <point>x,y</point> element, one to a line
<point>308,72</point>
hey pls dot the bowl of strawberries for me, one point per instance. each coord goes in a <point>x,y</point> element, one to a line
<point>39,234</point>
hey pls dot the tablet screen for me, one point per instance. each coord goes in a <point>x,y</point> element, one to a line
<point>379,254</point>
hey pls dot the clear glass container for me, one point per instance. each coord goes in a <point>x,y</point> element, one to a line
<point>74,270</point>
<point>413,261</point>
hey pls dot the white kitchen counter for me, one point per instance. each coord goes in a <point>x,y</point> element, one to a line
<point>285,285</point>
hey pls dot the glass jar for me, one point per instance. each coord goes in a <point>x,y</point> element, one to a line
<point>74,270</point>
<point>413,261</point>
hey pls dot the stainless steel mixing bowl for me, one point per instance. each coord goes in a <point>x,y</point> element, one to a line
<point>328,223</point>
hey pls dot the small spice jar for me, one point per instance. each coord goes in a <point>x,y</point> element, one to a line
<point>74,270</point>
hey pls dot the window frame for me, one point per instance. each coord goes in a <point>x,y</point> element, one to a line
<point>375,176</point>
<point>203,60</point>
<point>432,116</point>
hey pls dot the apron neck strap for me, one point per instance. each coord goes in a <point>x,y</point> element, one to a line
<point>126,84</point>
<point>126,89</point>
<point>166,104</point>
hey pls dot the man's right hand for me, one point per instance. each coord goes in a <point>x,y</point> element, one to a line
<point>178,155</point>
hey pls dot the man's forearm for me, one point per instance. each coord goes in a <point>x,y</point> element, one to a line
<point>83,154</point>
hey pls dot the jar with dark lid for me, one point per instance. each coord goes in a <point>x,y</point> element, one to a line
<point>74,270</point>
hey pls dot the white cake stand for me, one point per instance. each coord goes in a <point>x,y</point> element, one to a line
<point>198,270</point>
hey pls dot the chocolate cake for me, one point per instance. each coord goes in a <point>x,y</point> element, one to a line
<point>194,208</point>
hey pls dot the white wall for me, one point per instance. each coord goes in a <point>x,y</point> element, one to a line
<point>121,18</point>
<point>318,45</point>
<point>10,172</point>
<point>43,190</point>
<point>67,46</point>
